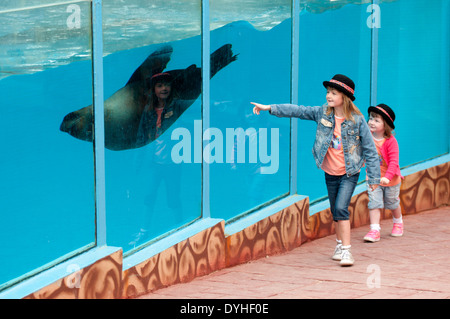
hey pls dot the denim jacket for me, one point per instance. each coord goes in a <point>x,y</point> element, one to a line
<point>357,141</point>
<point>148,131</point>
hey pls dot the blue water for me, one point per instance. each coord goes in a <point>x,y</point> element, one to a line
<point>47,199</point>
<point>49,208</point>
<point>47,203</point>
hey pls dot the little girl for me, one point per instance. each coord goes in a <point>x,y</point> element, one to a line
<point>381,124</point>
<point>343,144</point>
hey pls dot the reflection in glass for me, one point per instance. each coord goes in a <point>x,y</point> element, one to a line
<point>151,92</point>
<point>47,204</point>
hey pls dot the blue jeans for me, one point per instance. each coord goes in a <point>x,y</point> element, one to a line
<point>340,191</point>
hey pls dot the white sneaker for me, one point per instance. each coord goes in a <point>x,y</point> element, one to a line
<point>346,258</point>
<point>337,252</point>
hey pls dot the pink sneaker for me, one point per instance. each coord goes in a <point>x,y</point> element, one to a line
<point>372,236</point>
<point>397,230</point>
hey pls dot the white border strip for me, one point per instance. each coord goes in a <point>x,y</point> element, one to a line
<point>42,6</point>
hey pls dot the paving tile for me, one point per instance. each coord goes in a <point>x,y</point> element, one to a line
<point>414,266</point>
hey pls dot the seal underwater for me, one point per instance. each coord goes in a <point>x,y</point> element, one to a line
<point>123,110</point>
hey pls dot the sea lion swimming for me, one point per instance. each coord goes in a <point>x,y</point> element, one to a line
<point>123,110</point>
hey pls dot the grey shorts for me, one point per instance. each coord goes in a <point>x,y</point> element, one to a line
<point>384,197</point>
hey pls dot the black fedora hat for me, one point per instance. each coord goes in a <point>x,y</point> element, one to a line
<point>343,84</point>
<point>385,112</point>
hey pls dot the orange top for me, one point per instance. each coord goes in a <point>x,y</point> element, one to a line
<point>334,163</point>
<point>158,113</point>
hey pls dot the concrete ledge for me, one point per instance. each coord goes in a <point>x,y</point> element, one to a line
<point>279,232</point>
<point>91,275</point>
<point>187,258</point>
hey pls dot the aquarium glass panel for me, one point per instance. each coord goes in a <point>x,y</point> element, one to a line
<point>152,72</point>
<point>251,61</point>
<point>47,200</point>
<point>414,75</point>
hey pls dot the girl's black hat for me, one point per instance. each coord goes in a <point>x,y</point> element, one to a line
<point>386,113</point>
<point>161,77</point>
<point>343,84</point>
<point>150,82</point>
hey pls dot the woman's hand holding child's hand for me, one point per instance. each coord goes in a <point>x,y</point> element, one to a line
<point>260,107</point>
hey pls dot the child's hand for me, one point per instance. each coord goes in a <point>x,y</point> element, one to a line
<point>384,181</point>
<point>260,107</point>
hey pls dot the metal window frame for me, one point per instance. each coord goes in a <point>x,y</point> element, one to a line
<point>99,124</point>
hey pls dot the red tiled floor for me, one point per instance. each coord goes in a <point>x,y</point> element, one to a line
<point>413,266</point>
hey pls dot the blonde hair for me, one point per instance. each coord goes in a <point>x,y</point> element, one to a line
<point>349,108</point>
<point>388,130</point>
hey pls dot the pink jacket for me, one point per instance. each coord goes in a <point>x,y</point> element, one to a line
<point>390,153</point>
